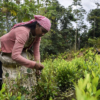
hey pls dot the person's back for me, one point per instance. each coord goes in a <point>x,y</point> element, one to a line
<point>8,40</point>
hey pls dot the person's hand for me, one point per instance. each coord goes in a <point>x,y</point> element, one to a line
<point>38,66</point>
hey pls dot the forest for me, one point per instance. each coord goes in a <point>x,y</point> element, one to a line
<point>69,54</point>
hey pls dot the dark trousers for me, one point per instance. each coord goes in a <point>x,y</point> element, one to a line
<point>1,75</point>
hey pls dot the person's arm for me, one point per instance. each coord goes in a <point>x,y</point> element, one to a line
<point>21,38</point>
<point>36,46</point>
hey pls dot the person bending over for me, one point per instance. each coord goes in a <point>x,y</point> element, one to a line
<point>23,36</point>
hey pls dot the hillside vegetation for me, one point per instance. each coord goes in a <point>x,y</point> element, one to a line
<point>61,79</point>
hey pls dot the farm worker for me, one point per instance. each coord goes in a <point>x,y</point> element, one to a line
<point>21,38</point>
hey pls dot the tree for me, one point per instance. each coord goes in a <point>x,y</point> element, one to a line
<point>79,15</point>
<point>61,31</point>
<point>94,20</point>
<point>15,12</point>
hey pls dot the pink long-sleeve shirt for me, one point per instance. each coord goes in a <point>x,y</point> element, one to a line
<point>14,41</point>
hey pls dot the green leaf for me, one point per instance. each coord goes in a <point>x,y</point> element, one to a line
<point>98,93</point>
<point>95,81</point>
<point>93,74</point>
<point>22,98</point>
<point>13,98</point>
<point>50,98</point>
<point>7,74</point>
<point>29,70</point>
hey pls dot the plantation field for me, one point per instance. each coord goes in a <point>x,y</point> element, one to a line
<point>69,76</point>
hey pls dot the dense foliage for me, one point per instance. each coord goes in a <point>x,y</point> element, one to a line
<point>60,79</point>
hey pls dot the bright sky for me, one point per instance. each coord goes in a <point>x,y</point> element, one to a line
<point>87,5</point>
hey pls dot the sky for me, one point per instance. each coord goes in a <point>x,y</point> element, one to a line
<point>87,5</point>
